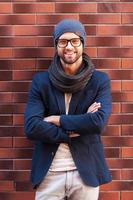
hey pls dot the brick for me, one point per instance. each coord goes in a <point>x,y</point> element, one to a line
<point>6,30</point>
<point>17,195</point>
<point>115,7</point>
<point>111,30</point>
<point>127,152</point>
<point>23,75</point>
<point>6,120</point>
<point>120,163</point>
<point>10,153</point>
<point>127,18</point>
<point>24,42</point>
<point>23,186</point>
<point>127,41</point>
<point>5,75</point>
<point>11,131</point>
<point>20,86</point>
<point>122,96</point>
<point>127,108</point>
<point>100,18</point>
<point>43,64</point>
<point>91,30</point>
<point>116,108</point>
<point>17,19</point>
<point>6,186</point>
<point>112,130</point>
<point>32,8</point>
<point>109,195</point>
<point>5,8</point>
<point>15,175</point>
<point>103,41</point>
<point>13,87</point>
<point>121,119</point>
<point>18,119</point>
<point>115,85</point>
<point>115,52</point>
<point>6,142</point>
<point>45,30</point>
<point>5,53</point>
<point>6,109</point>
<point>127,174</point>
<point>6,164</point>
<point>25,30</point>
<point>117,185</point>
<point>54,19</point>
<point>20,97</point>
<point>112,153</point>
<point>6,64</point>
<point>75,7</point>
<point>20,142</point>
<point>127,63</point>
<point>22,164</point>
<point>120,74</point>
<point>92,52</point>
<point>24,64</point>
<point>126,195</point>
<point>127,85</point>
<point>19,108</point>
<point>113,141</point>
<point>107,63</point>
<point>116,174</point>
<point>45,41</point>
<point>25,52</point>
<point>6,42</point>
<point>127,129</point>
<point>5,97</point>
<point>45,52</point>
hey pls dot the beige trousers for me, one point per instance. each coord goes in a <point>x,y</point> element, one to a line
<point>65,185</point>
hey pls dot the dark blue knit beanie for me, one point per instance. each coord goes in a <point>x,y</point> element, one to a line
<point>69,25</point>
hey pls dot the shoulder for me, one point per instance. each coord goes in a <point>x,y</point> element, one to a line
<point>100,76</point>
<point>41,77</point>
<point>41,80</point>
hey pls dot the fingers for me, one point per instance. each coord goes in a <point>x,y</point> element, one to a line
<point>94,107</point>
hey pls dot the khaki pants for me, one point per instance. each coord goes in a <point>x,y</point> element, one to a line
<point>65,185</point>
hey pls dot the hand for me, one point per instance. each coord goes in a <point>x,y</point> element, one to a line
<point>94,107</point>
<point>54,119</point>
<point>73,134</point>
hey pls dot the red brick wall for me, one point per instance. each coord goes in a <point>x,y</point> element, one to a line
<point>26,47</point>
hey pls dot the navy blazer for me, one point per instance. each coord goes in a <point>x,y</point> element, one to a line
<point>86,149</point>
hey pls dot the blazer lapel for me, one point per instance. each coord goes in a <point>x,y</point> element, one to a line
<point>60,100</point>
<point>80,101</point>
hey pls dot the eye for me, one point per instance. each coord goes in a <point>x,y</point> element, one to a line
<point>62,42</point>
<point>75,40</point>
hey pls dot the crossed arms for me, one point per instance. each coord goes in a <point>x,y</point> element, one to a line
<point>55,119</point>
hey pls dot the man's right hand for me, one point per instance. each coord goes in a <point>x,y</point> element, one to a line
<point>92,109</point>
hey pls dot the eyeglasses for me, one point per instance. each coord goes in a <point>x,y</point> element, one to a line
<point>75,42</point>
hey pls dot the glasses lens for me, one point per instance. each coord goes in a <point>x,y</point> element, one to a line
<point>62,43</point>
<point>75,42</point>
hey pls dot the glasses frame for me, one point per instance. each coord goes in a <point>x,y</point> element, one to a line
<point>70,40</point>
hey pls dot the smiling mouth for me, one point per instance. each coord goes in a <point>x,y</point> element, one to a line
<point>69,54</point>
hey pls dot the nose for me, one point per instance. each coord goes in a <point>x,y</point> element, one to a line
<point>69,46</point>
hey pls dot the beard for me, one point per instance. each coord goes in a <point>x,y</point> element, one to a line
<point>70,58</point>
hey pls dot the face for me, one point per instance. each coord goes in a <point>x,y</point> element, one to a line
<point>70,54</point>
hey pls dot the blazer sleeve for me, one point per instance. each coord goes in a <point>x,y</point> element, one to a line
<point>90,123</point>
<point>34,126</point>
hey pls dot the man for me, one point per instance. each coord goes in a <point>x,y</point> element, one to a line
<point>67,109</point>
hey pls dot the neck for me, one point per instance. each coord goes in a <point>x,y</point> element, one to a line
<point>71,69</point>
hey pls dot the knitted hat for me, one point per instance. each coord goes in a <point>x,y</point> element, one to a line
<point>69,25</point>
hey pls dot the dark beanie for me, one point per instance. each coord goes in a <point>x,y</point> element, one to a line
<point>69,25</point>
